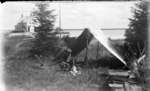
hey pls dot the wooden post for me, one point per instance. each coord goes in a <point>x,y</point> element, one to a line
<point>60,34</point>
<point>60,19</point>
<point>86,53</point>
<point>97,54</point>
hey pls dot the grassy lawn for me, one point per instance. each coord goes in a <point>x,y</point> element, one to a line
<point>26,74</point>
<point>22,75</point>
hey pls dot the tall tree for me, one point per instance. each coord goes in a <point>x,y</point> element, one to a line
<point>44,42</point>
<point>43,18</point>
<point>136,40</point>
<point>136,34</point>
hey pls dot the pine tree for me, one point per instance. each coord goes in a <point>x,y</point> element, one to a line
<point>136,34</point>
<point>44,43</point>
<point>136,39</point>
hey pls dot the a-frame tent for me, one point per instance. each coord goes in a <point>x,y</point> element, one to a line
<point>101,37</point>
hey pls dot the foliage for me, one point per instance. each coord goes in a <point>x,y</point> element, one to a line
<point>136,40</point>
<point>136,34</point>
<point>45,41</point>
<point>45,47</point>
<point>11,44</point>
<point>43,18</point>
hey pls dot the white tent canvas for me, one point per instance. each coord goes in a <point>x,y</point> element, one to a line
<point>101,37</point>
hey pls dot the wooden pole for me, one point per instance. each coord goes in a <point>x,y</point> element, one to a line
<point>86,53</point>
<point>97,54</point>
<point>59,15</point>
<point>60,19</point>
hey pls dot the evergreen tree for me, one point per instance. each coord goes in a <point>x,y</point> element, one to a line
<point>45,42</point>
<point>136,40</point>
<point>136,34</point>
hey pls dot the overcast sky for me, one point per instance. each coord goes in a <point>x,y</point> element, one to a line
<point>75,15</point>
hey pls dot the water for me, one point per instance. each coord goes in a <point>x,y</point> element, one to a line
<point>101,37</point>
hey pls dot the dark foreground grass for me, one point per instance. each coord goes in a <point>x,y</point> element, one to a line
<point>24,75</point>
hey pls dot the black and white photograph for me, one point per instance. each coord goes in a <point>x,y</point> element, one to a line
<point>74,46</point>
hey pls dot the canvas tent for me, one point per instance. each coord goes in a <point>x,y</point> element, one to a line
<point>101,37</point>
<point>85,38</point>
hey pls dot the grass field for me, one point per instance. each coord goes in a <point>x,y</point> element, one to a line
<point>26,74</point>
<point>32,78</point>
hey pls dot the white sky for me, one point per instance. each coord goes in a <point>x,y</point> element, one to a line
<point>75,15</point>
